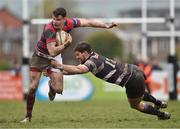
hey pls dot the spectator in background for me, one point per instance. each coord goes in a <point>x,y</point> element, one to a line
<point>16,69</point>
<point>145,66</point>
<point>155,64</point>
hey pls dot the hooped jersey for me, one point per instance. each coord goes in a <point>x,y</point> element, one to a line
<point>49,33</point>
<point>108,70</point>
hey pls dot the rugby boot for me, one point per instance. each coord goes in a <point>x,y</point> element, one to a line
<point>161,104</point>
<point>26,120</point>
<point>164,116</point>
<point>51,92</point>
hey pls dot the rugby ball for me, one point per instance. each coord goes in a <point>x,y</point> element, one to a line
<point>61,37</point>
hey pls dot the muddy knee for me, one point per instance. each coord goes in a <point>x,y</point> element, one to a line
<point>59,91</point>
<point>58,88</point>
<point>32,90</point>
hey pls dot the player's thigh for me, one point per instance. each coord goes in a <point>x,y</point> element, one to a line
<point>34,79</point>
<point>39,63</point>
<point>135,87</point>
<point>57,79</point>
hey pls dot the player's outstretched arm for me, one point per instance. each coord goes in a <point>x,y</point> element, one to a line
<point>70,69</point>
<point>96,23</point>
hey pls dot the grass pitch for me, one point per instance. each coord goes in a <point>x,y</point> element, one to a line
<point>88,114</point>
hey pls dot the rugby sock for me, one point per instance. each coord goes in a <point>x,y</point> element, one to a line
<point>151,110</point>
<point>148,97</point>
<point>30,103</point>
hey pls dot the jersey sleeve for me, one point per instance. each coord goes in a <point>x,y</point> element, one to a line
<point>71,23</point>
<point>90,64</point>
<point>76,22</point>
<point>50,36</point>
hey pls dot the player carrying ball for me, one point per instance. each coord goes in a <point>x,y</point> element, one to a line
<point>47,48</point>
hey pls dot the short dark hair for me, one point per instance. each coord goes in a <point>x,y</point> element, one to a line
<point>59,11</point>
<point>82,47</point>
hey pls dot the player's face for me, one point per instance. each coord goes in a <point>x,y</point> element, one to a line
<point>58,22</point>
<point>81,57</point>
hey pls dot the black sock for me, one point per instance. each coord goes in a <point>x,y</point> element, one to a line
<point>148,97</point>
<point>151,110</point>
<point>158,102</point>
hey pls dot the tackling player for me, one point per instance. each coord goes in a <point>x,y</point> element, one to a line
<point>123,74</point>
<point>47,48</point>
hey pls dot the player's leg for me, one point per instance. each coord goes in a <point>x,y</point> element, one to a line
<point>148,97</point>
<point>135,90</point>
<point>55,84</point>
<point>56,80</point>
<point>138,104</point>
<point>36,67</point>
<point>157,103</point>
<point>52,92</point>
<point>34,81</point>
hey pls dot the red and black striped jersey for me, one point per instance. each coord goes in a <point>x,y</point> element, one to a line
<point>49,33</point>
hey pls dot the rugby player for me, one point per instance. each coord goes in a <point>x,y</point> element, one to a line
<point>47,48</point>
<point>123,74</point>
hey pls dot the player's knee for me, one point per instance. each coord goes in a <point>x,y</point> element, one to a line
<point>32,91</point>
<point>59,91</point>
<point>34,83</point>
<point>34,86</point>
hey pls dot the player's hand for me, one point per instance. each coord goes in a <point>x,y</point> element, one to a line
<point>68,40</point>
<point>54,63</point>
<point>57,65</point>
<point>112,25</point>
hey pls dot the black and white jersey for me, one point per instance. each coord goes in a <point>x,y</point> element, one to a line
<point>108,70</point>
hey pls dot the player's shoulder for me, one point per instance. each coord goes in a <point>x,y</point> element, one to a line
<point>70,19</point>
<point>94,58</point>
<point>49,26</point>
<point>94,55</point>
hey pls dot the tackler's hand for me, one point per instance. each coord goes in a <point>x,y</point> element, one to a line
<point>57,65</point>
<point>113,24</point>
<point>54,63</point>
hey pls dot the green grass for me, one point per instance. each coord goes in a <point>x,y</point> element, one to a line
<point>87,114</point>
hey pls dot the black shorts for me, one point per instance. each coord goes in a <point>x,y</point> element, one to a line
<point>135,86</point>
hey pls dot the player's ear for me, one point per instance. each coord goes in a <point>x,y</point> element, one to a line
<point>53,17</point>
<point>86,53</point>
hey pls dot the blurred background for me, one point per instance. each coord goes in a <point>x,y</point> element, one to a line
<point>148,32</point>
